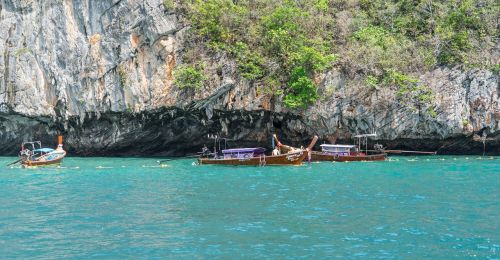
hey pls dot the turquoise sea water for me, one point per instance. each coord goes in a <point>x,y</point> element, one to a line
<point>409,207</point>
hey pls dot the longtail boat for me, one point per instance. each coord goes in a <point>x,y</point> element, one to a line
<point>257,157</point>
<point>33,154</point>
<point>282,148</point>
<point>347,153</point>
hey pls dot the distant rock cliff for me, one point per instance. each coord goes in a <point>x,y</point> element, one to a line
<point>100,73</point>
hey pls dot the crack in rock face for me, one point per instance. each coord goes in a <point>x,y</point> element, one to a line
<point>101,74</point>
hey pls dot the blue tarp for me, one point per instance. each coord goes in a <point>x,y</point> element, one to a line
<point>43,150</point>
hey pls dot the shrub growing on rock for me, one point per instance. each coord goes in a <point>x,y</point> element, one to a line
<point>189,76</point>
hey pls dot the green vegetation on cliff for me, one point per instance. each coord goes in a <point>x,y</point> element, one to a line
<point>189,76</point>
<point>284,45</point>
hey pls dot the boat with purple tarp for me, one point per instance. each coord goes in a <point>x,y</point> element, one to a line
<point>256,156</point>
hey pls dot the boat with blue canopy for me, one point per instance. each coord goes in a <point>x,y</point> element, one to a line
<point>33,154</point>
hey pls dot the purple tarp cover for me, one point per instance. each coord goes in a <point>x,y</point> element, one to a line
<point>245,150</point>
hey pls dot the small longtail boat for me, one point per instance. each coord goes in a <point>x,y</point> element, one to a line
<point>257,157</point>
<point>347,153</point>
<point>33,154</point>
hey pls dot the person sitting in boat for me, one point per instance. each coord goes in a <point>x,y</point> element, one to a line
<point>276,151</point>
<point>205,151</point>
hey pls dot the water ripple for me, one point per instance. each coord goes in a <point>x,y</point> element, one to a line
<point>429,207</point>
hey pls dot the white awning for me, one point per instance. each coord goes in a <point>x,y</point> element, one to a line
<point>365,135</point>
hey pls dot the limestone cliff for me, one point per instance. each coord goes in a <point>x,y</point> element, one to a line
<point>100,73</point>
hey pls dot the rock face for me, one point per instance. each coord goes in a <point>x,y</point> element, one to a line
<point>100,73</point>
<point>464,104</point>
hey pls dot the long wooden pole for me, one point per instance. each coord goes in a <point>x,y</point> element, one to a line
<point>403,151</point>
<point>13,162</point>
<point>313,142</point>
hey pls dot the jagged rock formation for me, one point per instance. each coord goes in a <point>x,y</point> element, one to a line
<point>100,73</point>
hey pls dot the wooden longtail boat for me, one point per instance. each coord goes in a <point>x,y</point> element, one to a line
<point>250,156</point>
<point>256,156</point>
<point>347,153</point>
<point>351,157</point>
<point>32,154</point>
<point>281,148</point>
